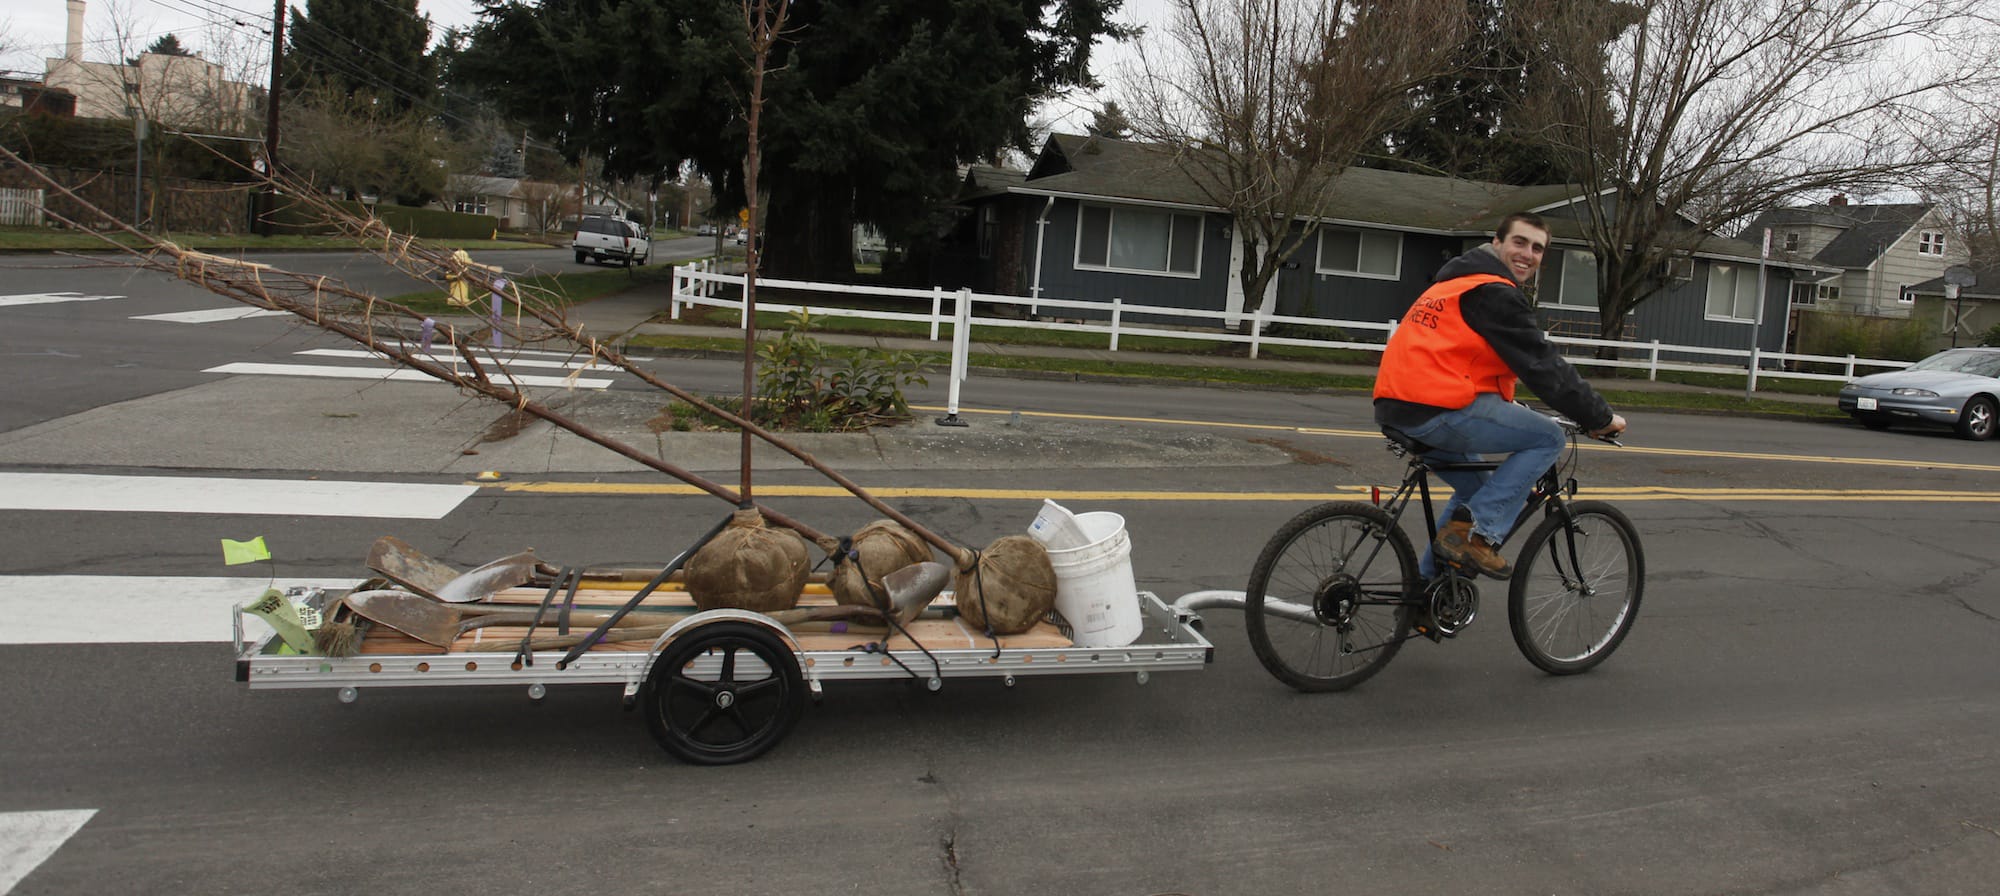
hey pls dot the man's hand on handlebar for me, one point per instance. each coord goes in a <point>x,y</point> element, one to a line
<point>1613,430</point>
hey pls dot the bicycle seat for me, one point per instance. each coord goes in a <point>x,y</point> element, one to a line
<point>1406,441</point>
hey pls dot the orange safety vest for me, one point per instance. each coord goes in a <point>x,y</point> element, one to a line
<point>1434,358</point>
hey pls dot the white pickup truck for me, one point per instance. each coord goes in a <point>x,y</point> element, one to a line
<point>600,238</point>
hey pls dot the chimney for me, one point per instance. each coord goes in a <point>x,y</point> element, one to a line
<point>1839,199</point>
<point>74,48</point>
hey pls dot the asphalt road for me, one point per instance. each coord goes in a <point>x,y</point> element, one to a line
<point>1807,703</point>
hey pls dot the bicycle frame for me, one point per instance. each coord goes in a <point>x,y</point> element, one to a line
<point>1550,493</point>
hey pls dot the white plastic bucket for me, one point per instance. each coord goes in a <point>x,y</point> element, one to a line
<point>1056,528</point>
<point>1095,591</point>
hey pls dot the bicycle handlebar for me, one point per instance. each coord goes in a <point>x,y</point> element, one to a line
<point>1572,427</point>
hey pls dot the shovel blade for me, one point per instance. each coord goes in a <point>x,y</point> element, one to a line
<point>489,580</point>
<point>419,617</point>
<point>397,561</point>
<point>913,587</point>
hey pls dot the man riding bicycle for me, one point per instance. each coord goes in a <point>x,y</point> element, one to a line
<point>1447,381</point>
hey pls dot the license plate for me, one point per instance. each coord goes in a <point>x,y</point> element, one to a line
<point>1864,404</point>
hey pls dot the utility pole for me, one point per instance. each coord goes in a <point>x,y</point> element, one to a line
<point>271,124</point>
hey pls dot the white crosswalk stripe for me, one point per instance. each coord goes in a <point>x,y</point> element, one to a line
<point>213,315</point>
<point>136,609</point>
<point>392,375</point>
<point>205,494</point>
<point>45,298</point>
<point>542,363</point>
<point>28,838</point>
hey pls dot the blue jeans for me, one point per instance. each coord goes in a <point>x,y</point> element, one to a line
<point>1490,424</point>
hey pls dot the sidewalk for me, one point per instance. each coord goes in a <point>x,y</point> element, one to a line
<point>628,313</point>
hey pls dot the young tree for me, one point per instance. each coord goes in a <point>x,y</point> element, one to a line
<point>1703,112</point>
<point>1266,102</point>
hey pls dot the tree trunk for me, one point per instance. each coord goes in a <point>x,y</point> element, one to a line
<point>809,230</point>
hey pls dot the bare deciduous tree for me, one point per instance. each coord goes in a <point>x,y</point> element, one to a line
<point>1266,102</point>
<point>1703,112</point>
<point>1967,186</point>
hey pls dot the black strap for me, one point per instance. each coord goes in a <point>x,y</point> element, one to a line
<point>658,580</point>
<point>568,578</point>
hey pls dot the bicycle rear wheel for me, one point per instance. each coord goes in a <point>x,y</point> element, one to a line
<point>1569,611</point>
<point>1328,602</point>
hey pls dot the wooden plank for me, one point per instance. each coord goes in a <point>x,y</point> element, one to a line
<point>935,634</point>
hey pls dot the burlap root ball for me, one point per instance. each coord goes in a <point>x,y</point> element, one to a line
<point>1016,582</point>
<point>880,548</point>
<point>749,566</point>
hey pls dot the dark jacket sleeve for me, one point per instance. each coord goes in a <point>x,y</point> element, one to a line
<point>1500,314</point>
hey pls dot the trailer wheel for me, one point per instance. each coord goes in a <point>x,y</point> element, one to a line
<point>724,693</point>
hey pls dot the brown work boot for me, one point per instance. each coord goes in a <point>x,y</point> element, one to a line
<point>1457,545</point>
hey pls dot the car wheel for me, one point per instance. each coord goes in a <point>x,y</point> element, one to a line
<point>582,258</point>
<point>1976,421</point>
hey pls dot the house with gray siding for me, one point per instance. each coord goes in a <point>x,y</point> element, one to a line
<point>1875,255</point>
<point>1097,219</point>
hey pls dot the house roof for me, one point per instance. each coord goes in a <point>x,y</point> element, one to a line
<point>484,186</point>
<point>1986,285</point>
<point>987,180</point>
<point>1073,165</point>
<point>1099,166</point>
<point>1866,231</point>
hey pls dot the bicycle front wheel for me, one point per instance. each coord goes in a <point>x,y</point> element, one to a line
<point>1328,603</point>
<point>1576,588</point>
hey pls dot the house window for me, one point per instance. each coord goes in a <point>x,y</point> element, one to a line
<point>1930,242</point>
<point>1791,242</point>
<point>1139,240</point>
<point>989,221</point>
<point>1576,289</point>
<point>1362,253</point>
<point>1906,296</point>
<point>1829,292</point>
<point>470,206</point>
<point>1732,292</point>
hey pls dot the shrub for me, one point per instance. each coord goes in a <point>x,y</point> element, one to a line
<point>803,386</point>
<point>1992,336</point>
<point>1906,340</point>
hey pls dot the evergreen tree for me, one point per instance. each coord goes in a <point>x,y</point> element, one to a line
<point>1109,121</point>
<point>166,45</point>
<point>373,47</point>
<point>1464,126</point>
<point>871,104</point>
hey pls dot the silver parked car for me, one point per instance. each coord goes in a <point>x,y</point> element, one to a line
<point>1958,387</point>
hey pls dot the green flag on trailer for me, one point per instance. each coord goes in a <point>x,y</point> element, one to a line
<point>239,552</point>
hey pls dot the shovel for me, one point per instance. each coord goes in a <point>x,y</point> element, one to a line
<point>397,561</point>
<point>439,624</point>
<point>913,587</point>
<point>409,567</point>
<point>489,579</point>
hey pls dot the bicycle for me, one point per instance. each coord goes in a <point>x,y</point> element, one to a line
<point>1336,592</point>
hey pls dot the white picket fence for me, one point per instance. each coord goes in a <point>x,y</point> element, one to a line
<point>20,208</point>
<point>699,284</point>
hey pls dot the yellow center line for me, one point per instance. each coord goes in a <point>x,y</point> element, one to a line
<point>1354,492</point>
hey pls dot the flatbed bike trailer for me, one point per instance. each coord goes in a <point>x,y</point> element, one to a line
<point>720,686</point>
